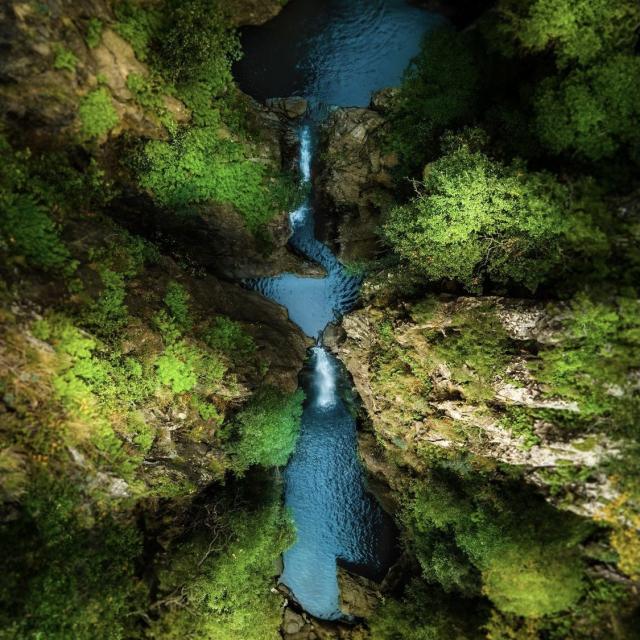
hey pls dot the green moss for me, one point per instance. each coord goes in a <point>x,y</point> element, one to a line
<point>108,314</point>
<point>137,25</point>
<point>149,93</point>
<point>176,368</point>
<point>97,114</point>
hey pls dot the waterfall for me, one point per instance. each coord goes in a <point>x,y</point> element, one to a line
<point>305,154</point>
<point>324,377</point>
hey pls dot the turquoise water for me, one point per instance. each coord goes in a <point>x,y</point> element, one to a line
<point>335,52</point>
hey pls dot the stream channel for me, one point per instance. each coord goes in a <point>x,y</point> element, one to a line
<point>333,53</point>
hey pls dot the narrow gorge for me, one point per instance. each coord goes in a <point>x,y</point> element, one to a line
<point>319,320</point>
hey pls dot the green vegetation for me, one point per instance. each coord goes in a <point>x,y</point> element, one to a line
<point>440,90</point>
<point>177,301</point>
<point>87,390</point>
<point>226,576</point>
<point>191,49</point>
<point>229,337</point>
<point>199,166</point>
<point>578,31</point>
<point>476,218</point>
<point>265,432</point>
<point>196,44</point>
<point>525,552</point>
<point>64,59</point>
<point>94,33</point>
<point>409,617</point>
<point>591,112</point>
<point>97,114</point>
<point>27,231</point>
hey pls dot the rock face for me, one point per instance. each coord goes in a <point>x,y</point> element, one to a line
<point>253,12</point>
<point>354,183</point>
<point>424,404</point>
<point>300,626</point>
<point>293,107</point>
<point>41,98</point>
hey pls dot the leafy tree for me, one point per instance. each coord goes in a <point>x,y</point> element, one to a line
<point>475,218</point>
<point>593,112</point>
<point>579,31</point>
<point>196,40</point>
<point>439,91</point>
<point>225,579</point>
<point>526,553</point>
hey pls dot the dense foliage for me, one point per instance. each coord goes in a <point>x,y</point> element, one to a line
<point>475,219</point>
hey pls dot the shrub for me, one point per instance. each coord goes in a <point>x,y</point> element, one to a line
<point>526,552</point>
<point>227,589</point>
<point>64,59</point>
<point>199,166</point>
<point>109,313</point>
<point>68,577</point>
<point>196,40</point>
<point>177,301</point>
<point>594,363</point>
<point>176,368</point>
<point>228,336</point>
<point>97,114</point>
<point>267,429</point>
<point>407,617</point>
<point>27,230</point>
<point>475,218</point>
<point>94,33</point>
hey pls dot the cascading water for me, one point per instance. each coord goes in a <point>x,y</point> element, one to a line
<point>336,519</point>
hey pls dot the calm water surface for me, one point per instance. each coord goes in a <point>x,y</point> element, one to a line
<point>334,53</point>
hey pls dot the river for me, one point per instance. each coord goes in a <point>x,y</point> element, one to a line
<point>333,53</point>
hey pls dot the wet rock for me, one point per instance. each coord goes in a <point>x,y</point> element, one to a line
<point>293,107</point>
<point>253,12</point>
<point>359,597</point>
<point>333,336</point>
<point>355,184</point>
<point>383,100</point>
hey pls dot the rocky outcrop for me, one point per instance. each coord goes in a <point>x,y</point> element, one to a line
<point>253,12</point>
<point>41,95</point>
<point>423,404</point>
<point>298,625</point>
<point>355,183</point>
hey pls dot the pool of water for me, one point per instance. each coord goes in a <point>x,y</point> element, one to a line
<point>334,53</point>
